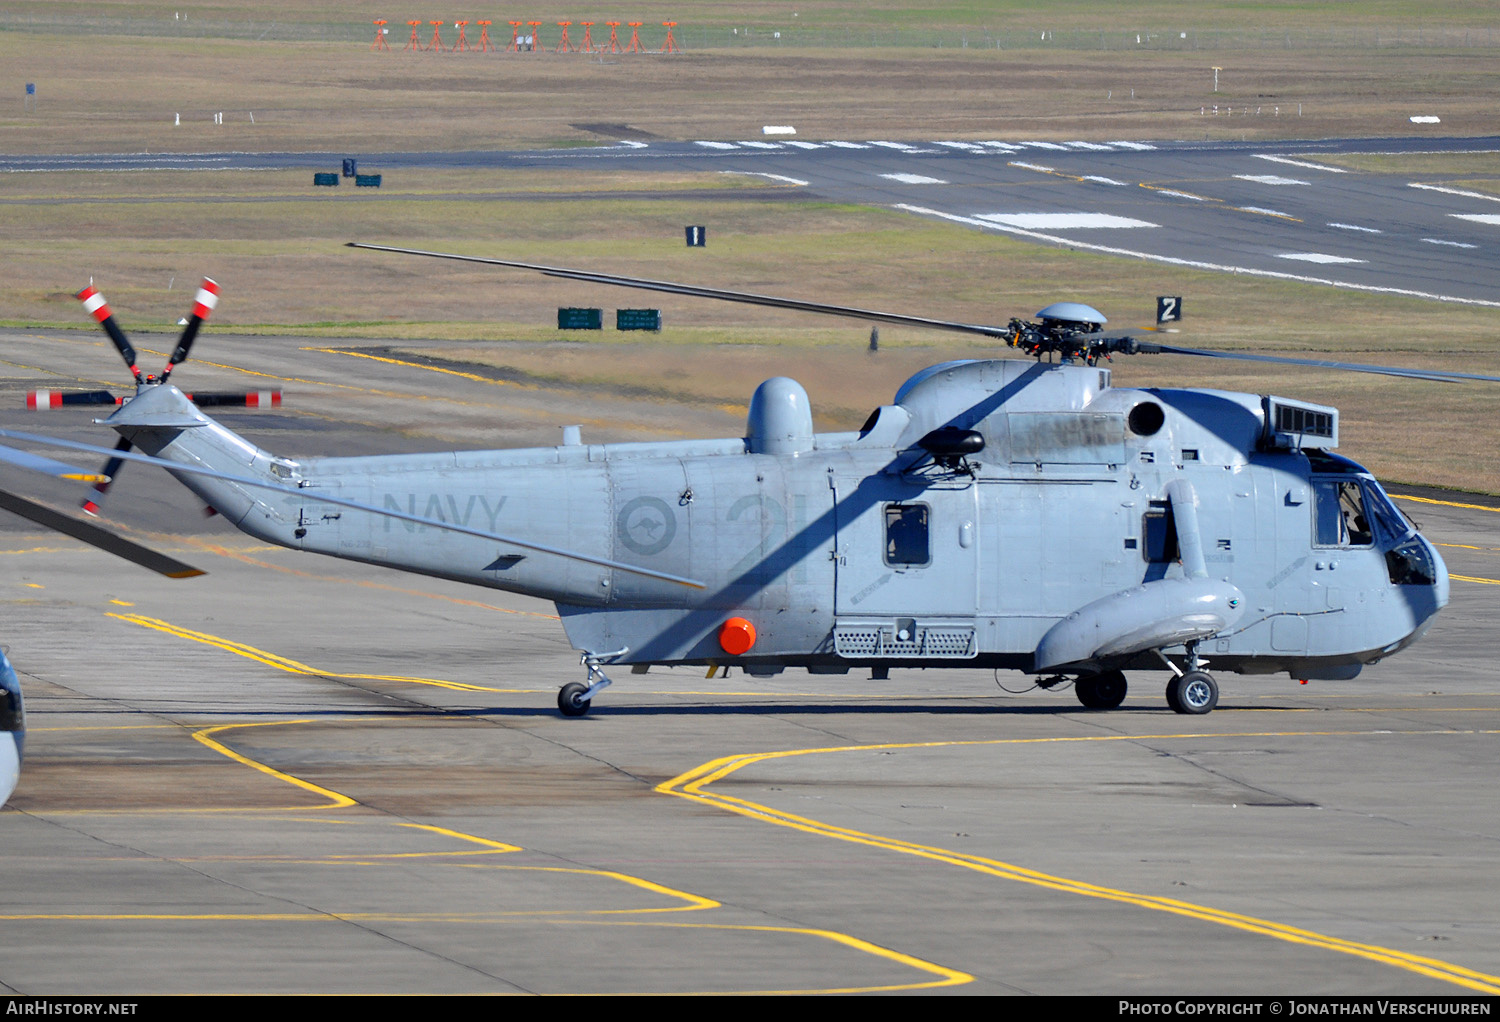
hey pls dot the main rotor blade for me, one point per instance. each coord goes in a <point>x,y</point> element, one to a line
<point>1433,375</point>
<point>709,292</point>
<point>327,498</point>
<point>94,536</point>
<point>47,466</point>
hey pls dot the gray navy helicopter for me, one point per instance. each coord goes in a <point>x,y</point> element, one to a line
<point>1016,514</point>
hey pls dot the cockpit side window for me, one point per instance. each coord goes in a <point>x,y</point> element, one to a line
<point>1339,517</point>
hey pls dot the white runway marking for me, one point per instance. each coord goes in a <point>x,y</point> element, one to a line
<point>1093,146</point>
<point>1031,166</point>
<point>1454,244</point>
<point>1271,179</point>
<point>1316,257</point>
<point>1047,145</point>
<point>1265,212</point>
<point>971,147</point>
<point>716,145</point>
<point>849,145</point>
<point>1002,146</point>
<point>1300,163</point>
<point>894,145</point>
<point>1104,180</point>
<point>1478,218</point>
<point>1181,195</point>
<point>1062,221</point>
<point>1195,264</point>
<point>914,179</point>
<point>1454,191</point>
<point>1139,146</point>
<point>1356,227</point>
<point>804,145</point>
<point>762,145</point>
<point>774,177</point>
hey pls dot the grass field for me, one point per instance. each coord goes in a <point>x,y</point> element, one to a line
<point>145,237</point>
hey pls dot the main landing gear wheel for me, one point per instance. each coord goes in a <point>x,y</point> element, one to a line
<point>1103,691</point>
<point>1195,692</point>
<point>571,701</point>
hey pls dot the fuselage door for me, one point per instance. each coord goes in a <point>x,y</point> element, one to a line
<point>905,550</point>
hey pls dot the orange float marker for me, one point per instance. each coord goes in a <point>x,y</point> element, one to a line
<point>736,636</point>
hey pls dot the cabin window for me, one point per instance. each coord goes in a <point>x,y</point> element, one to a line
<point>906,535</point>
<point>1339,514</point>
<point>1159,533</point>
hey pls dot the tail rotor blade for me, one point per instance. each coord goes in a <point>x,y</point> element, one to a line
<point>203,305</point>
<point>97,307</point>
<point>90,505</point>
<point>42,400</point>
<point>236,399</point>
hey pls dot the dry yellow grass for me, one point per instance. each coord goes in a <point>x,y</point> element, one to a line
<point>278,249</point>
<point>124,93</point>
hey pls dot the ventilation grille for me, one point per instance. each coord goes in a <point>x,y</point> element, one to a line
<point>879,640</point>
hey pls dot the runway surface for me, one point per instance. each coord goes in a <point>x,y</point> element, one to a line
<point>1262,209</point>
<point>298,774</point>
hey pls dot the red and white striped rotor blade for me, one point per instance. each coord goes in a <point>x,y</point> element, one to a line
<point>42,400</point>
<point>203,305</point>
<point>97,307</point>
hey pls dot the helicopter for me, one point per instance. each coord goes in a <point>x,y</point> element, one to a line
<point>12,729</point>
<point>1002,513</point>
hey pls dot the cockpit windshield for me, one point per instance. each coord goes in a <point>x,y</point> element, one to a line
<point>1390,524</point>
<point>1352,513</point>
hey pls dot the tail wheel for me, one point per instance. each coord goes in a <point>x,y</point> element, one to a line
<point>1194,693</point>
<point>571,701</point>
<point>1103,691</point>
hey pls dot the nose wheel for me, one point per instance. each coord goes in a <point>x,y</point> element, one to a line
<point>1195,692</point>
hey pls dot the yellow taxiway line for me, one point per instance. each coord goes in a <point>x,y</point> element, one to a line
<point>692,784</point>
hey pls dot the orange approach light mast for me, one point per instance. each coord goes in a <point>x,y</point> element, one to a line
<point>436,46</point>
<point>414,43</point>
<point>379,43</point>
<point>484,45</point>
<point>635,37</point>
<point>614,39</point>
<point>536,36</point>
<point>670,46</point>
